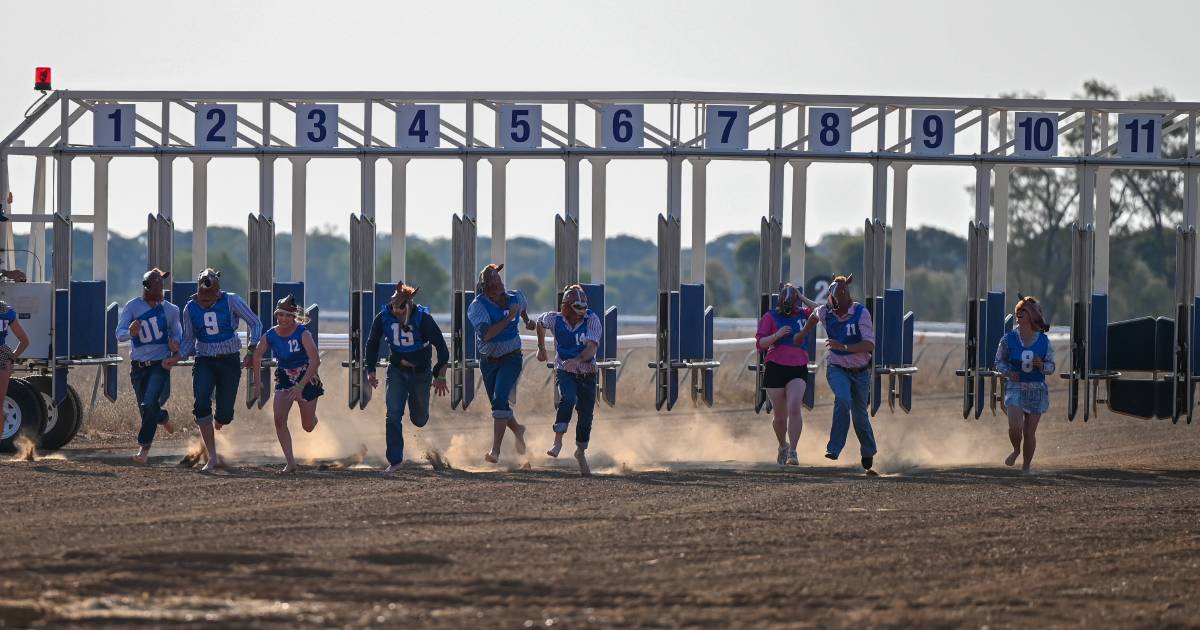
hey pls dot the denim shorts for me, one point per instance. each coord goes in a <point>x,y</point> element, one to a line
<point>1028,397</point>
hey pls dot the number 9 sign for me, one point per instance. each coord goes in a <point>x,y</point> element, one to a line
<point>519,127</point>
<point>621,126</point>
<point>727,127</point>
<point>932,132</point>
<point>829,129</point>
<point>316,126</point>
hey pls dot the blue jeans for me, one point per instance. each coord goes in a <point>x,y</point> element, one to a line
<point>151,385</point>
<point>499,379</point>
<point>405,386</point>
<point>850,392</point>
<point>576,392</point>
<point>220,375</point>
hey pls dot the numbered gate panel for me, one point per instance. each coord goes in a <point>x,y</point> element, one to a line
<point>32,302</point>
<point>933,131</point>
<point>622,126</point>
<point>113,125</point>
<point>418,126</point>
<point>1139,136</point>
<point>317,126</point>
<point>727,127</point>
<point>519,127</point>
<point>1036,134</point>
<point>216,126</point>
<point>829,129</point>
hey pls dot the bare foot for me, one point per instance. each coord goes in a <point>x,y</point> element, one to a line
<point>211,466</point>
<point>289,469</point>
<point>581,457</point>
<point>217,425</point>
<point>168,426</point>
<point>554,450</point>
<point>391,469</point>
<point>492,457</point>
<point>519,432</point>
<point>1012,458</point>
<point>142,456</point>
<point>1027,471</point>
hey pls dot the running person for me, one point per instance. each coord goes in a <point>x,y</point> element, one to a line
<point>210,323</point>
<point>850,339</point>
<point>412,334</point>
<point>9,322</point>
<point>781,333</point>
<point>1026,356</point>
<point>494,313</point>
<point>296,378</point>
<point>151,326</point>
<point>577,333</point>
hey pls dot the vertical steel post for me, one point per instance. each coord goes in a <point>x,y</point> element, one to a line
<point>199,215</point>
<point>37,231</point>
<point>100,217</point>
<point>599,217</point>
<point>899,223</point>
<point>799,219</point>
<point>699,219</point>
<point>399,218</point>
<point>299,218</point>
<point>499,210</point>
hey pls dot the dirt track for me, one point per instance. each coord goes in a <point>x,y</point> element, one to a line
<point>1107,534</point>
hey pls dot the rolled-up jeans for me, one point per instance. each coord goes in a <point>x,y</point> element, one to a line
<point>499,378</point>
<point>219,375</point>
<point>150,382</point>
<point>576,392</point>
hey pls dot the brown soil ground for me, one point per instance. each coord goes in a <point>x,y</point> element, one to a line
<point>688,523</point>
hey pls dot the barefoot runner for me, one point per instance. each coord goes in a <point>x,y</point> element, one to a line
<point>151,326</point>
<point>296,378</point>
<point>210,322</point>
<point>494,313</point>
<point>9,322</point>
<point>577,332</point>
<point>411,334</point>
<point>781,333</point>
<point>1026,356</point>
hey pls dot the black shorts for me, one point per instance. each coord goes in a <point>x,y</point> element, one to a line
<point>284,380</point>
<point>778,376</point>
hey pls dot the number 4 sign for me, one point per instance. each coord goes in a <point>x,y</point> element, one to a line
<point>418,126</point>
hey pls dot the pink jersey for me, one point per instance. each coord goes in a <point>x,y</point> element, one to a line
<point>783,352</point>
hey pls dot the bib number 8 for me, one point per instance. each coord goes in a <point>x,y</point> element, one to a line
<point>1027,361</point>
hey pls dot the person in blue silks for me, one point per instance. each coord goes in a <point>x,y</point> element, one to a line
<point>1026,357</point>
<point>210,324</point>
<point>577,332</point>
<point>151,326</point>
<point>296,377</point>
<point>494,313</point>
<point>412,334</point>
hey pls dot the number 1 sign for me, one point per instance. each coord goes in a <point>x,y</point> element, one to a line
<point>112,125</point>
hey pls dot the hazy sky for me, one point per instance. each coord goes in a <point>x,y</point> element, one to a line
<point>919,48</point>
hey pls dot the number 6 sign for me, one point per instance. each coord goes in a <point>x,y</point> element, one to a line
<point>621,126</point>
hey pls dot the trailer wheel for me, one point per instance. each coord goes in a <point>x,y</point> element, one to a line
<point>62,422</point>
<point>24,415</point>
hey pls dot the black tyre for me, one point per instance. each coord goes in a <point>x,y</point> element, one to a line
<point>24,415</point>
<point>62,422</point>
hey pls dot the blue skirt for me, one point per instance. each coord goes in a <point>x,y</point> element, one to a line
<point>1028,397</point>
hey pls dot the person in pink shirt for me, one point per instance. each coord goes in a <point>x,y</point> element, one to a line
<point>780,335</point>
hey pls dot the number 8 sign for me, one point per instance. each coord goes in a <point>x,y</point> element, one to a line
<point>829,129</point>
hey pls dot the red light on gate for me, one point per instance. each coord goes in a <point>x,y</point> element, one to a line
<point>41,79</point>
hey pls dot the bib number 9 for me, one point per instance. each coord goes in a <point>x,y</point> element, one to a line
<point>211,326</point>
